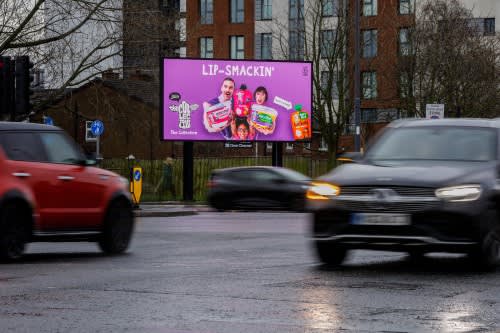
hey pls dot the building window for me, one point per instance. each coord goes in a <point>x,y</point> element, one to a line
<point>323,145</point>
<point>482,26</point>
<point>369,115</point>
<point>330,7</point>
<point>237,44</point>
<point>369,85</point>
<point>206,11</point>
<point>369,7</point>
<point>369,43</point>
<point>405,47</point>
<point>263,10</point>
<point>326,43</point>
<point>296,45</point>
<point>264,46</point>
<point>269,145</point>
<point>489,26</point>
<point>289,146</point>
<point>404,85</point>
<point>296,9</point>
<point>326,78</point>
<point>237,11</point>
<point>406,7</point>
<point>206,47</point>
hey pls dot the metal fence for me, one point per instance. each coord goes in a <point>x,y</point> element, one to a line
<point>157,188</point>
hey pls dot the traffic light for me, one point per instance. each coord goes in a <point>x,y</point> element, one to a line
<point>7,102</point>
<point>24,77</point>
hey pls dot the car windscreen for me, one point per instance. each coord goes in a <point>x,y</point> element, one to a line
<point>293,175</point>
<point>436,143</point>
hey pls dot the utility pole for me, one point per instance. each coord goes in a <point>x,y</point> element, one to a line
<point>357,90</point>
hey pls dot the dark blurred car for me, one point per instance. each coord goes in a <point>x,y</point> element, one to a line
<point>49,191</point>
<point>422,186</point>
<point>257,187</point>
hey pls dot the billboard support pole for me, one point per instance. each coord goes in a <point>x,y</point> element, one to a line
<point>277,159</point>
<point>187,175</point>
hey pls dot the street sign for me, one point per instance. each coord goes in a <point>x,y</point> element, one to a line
<point>434,111</point>
<point>48,121</point>
<point>97,128</point>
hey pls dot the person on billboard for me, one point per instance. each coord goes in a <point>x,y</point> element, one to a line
<point>262,117</point>
<point>218,112</point>
<point>242,131</point>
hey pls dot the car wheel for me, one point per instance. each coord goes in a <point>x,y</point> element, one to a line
<point>330,254</point>
<point>118,227</point>
<point>487,254</point>
<point>13,230</point>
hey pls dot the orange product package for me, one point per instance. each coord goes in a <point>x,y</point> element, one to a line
<point>301,123</point>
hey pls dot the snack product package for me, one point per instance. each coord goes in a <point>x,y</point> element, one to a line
<point>301,123</point>
<point>218,115</point>
<point>241,101</point>
<point>263,118</point>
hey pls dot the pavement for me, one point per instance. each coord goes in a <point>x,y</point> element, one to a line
<point>169,209</point>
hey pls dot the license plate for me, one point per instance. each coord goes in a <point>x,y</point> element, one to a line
<point>380,219</point>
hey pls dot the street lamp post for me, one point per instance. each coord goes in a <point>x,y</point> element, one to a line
<point>357,90</point>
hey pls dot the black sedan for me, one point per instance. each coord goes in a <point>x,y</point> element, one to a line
<point>257,187</point>
<point>422,186</point>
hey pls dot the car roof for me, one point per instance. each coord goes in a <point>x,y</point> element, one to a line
<point>252,167</point>
<point>473,122</point>
<point>20,126</point>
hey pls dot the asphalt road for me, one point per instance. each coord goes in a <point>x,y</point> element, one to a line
<point>239,272</point>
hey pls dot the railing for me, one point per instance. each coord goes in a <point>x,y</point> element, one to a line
<point>156,188</point>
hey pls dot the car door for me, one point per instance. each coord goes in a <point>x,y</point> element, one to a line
<point>264,188</point>
<point>82,189</point>
<point>26,161</point>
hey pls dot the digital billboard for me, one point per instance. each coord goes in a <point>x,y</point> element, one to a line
<point>219,100</point>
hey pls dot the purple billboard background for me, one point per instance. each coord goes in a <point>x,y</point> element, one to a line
<point>199,80</point>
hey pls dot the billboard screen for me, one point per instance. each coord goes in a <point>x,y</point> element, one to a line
<point>219,100</point>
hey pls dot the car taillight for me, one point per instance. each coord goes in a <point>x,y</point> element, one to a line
<point>211,183</point>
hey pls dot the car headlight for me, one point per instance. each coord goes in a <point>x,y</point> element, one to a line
<point>322,191</point>
<point>459,193</point>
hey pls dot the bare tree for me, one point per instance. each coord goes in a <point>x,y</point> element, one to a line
<point>319,34</point>
<point>71,40</point>
<point>450,60</point>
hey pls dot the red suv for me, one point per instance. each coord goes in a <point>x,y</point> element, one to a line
<point>49,191</point>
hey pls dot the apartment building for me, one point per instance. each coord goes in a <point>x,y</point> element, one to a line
<point>384,27</point>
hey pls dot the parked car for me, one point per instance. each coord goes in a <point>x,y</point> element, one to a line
<point>422,186</point>
<point>49,191</point>
<point>257,187</point>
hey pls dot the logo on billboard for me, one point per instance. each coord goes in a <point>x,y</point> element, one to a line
<point>184,110</point>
